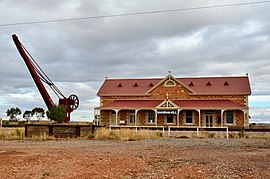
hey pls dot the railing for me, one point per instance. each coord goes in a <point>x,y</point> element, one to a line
<point>173,128</point>
<point>138,127</point>
<point>198,129</point>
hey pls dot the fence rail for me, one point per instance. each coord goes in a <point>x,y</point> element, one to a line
<point>198,129</point>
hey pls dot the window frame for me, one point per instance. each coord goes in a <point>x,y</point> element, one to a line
<point>186,120</point>
<point>132,119</point>
<point>151,114</point>
<point>167,119</point>
<point>230,116</point>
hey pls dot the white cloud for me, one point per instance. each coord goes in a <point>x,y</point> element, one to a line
<point>260,115</point>
<point>172,44</point>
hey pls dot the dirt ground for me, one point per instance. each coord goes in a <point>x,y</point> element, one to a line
<point>159,158</point>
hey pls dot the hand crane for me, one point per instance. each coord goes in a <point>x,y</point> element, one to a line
<point>71,103</point>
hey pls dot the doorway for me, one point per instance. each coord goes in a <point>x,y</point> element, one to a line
<point>209,118</point>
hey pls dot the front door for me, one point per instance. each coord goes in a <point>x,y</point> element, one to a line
<point>131,118</point>
<point>209,120</point>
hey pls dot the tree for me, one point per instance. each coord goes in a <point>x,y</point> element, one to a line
<point>57,113</point>
<point>27,115</point>
<point>12,113</point>
<point>38,112</point>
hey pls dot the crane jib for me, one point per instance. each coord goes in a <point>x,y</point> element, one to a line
<point>38,76</point>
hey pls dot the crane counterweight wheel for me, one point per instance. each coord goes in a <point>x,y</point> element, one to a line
<point>73,101</point>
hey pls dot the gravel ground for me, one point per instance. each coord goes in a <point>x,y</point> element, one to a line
<point>159,158</point>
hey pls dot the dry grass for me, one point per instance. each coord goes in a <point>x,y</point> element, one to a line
<point>126,134</point>
<point>41,137</point>
<point>11,133</point>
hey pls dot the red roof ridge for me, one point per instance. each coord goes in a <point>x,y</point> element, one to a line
<point>213,77</point>
<point>160,78</point>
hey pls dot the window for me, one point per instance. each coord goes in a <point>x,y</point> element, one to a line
<point>170,83</point>
<point>151,117</point>
<point>189,117</point>
<point>229,117</point>
<point>169,119</point>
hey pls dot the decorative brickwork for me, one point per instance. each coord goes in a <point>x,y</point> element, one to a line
<point>142,117</point>
<point>105,117</point>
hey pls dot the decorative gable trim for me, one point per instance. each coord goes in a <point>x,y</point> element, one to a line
<point>170,78</point>
<point>167,104</point>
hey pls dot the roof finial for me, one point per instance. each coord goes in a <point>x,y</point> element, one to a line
<point>106,76</point>
<point>247,73</point>
<point>167,96</point>
<point>170,71</point>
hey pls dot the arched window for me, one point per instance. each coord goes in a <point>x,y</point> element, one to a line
<point>169,83</point>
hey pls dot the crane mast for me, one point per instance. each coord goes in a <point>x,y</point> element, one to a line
<point>71,103</point>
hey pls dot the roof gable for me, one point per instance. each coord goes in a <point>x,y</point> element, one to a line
<point>167,104</point>
<point>167,79</point>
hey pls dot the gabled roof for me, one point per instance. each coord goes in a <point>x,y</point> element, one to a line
<point>181,104</point>
<point>170,78</point>
<point>198,86</point>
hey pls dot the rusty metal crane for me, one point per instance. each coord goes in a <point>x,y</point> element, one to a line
<point>71,103</point>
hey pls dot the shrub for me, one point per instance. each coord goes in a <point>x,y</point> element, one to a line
<point>91,136</point>
<point>21,122</point>
<point>241,134</point>
<point>57,113</point>
<point>211,135</point>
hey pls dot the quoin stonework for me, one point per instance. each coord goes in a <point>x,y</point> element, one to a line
<point>171,101</point>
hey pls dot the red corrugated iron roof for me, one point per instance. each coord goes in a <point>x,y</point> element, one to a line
<point>205,85</point>
<point>127,86</point>
<point>182,104</point>
<point>218,85</point>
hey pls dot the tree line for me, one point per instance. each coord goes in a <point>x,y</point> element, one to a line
<point>56,113</point>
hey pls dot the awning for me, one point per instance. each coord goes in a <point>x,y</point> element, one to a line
<point>180,104</point>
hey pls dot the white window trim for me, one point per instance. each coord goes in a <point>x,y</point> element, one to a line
<point>165,84</point>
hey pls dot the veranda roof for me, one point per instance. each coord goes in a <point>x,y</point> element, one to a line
<point>181,104</point>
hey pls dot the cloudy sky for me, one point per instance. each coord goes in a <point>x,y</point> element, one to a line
<point>78,54</point>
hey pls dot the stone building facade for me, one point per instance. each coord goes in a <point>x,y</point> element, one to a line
<point>170,101</point>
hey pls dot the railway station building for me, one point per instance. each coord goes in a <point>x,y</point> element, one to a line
<point>171,101</point>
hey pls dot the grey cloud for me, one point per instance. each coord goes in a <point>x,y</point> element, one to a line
<point>77,55</point>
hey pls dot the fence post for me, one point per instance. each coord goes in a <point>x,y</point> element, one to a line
<point>198,132</point>
<point>25,130</point>
<point>227,133</point>
<point>163,131</point>
<point>169,131</point>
